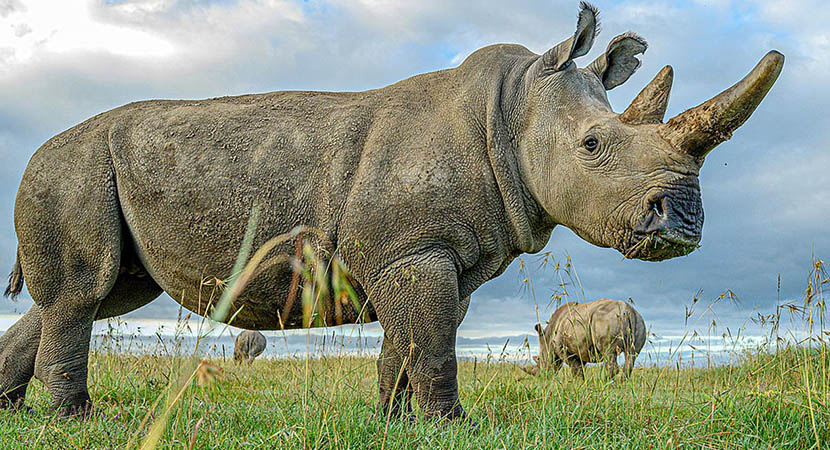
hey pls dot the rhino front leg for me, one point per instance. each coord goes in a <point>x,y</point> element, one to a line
<point>394,388</point>
<point>18,349</point>
<point>417,303</point>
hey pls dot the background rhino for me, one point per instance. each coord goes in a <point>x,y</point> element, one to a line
<point>597,331</point>
<point>424,190</point>
<point>248,345</point>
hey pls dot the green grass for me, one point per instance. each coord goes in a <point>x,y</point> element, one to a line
<point>763,401</point>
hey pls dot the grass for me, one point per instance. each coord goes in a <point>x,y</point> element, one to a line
<point>762,401</point>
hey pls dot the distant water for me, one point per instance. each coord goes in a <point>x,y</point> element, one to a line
<point>165,337</point>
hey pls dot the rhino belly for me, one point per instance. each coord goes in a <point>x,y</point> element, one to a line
<point>193,265</point>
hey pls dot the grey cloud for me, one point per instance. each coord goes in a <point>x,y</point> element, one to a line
<point>10,6</point>
<point>22,29</point>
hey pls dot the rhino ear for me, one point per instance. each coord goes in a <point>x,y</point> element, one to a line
<point>560,57</point>
<point>539,328</point>
<point>619,61</point>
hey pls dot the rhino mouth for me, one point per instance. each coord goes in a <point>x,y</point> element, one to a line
<point>661,245</point>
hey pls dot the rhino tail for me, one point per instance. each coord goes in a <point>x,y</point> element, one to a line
<point>15,279</point>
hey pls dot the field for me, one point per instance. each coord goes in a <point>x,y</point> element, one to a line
<point>763,401</point>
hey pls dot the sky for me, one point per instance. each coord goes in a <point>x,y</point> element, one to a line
<point>765,192</point>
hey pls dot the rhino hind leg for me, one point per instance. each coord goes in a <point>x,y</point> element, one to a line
<point>18,348</point>
<point>70,297</point>
<point>394,389</point>
<point>63,355</point>
<point>65,373</point>
<point>69,227</point>
<point>19,344</point>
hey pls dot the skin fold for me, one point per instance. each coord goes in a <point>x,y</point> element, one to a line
<point>422,191</point>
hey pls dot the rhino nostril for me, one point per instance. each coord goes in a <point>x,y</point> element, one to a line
<point>657,206</point>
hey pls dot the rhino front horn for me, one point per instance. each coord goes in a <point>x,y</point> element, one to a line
<point>650,104</point>
<point>700,129</point>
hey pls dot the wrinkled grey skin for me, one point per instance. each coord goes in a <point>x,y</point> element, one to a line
<point>424,190</point>
<point>248,345</point>
<point>597,331</point>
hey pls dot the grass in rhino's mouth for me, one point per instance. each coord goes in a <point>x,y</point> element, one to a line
<point>657,246</point>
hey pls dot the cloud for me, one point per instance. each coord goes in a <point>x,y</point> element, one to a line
<point>10,6</point>
<point>765,191</point>
<point>69,26</point>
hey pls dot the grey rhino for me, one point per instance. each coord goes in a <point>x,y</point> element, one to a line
<point>597,331</point>
<point>423,190</point>
<point>248,345</point>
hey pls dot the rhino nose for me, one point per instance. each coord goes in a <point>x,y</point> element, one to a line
<point>668,214</point>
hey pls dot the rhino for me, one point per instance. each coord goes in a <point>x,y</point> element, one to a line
<point>248,345</point>
<point>422,190</point>
<point>592,332</point>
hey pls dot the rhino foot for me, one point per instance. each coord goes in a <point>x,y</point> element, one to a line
<point>460,419</point>
<point>471,424</point>
<point>15,401</point>
<point>79,407</point>
<point>455,413</point>
<point>407,418</point>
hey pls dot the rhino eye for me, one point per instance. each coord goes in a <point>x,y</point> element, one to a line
<point>590,143</point>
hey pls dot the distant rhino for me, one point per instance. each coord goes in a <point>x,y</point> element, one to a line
<point>423,190</point>
<point>592,332</point>
<point>249,344</point>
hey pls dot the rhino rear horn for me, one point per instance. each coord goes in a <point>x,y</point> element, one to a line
<point>650,104</point>
<point>700,129</point>
<point>559,57</point>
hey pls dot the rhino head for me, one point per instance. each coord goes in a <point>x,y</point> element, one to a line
<point>627,181</point>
